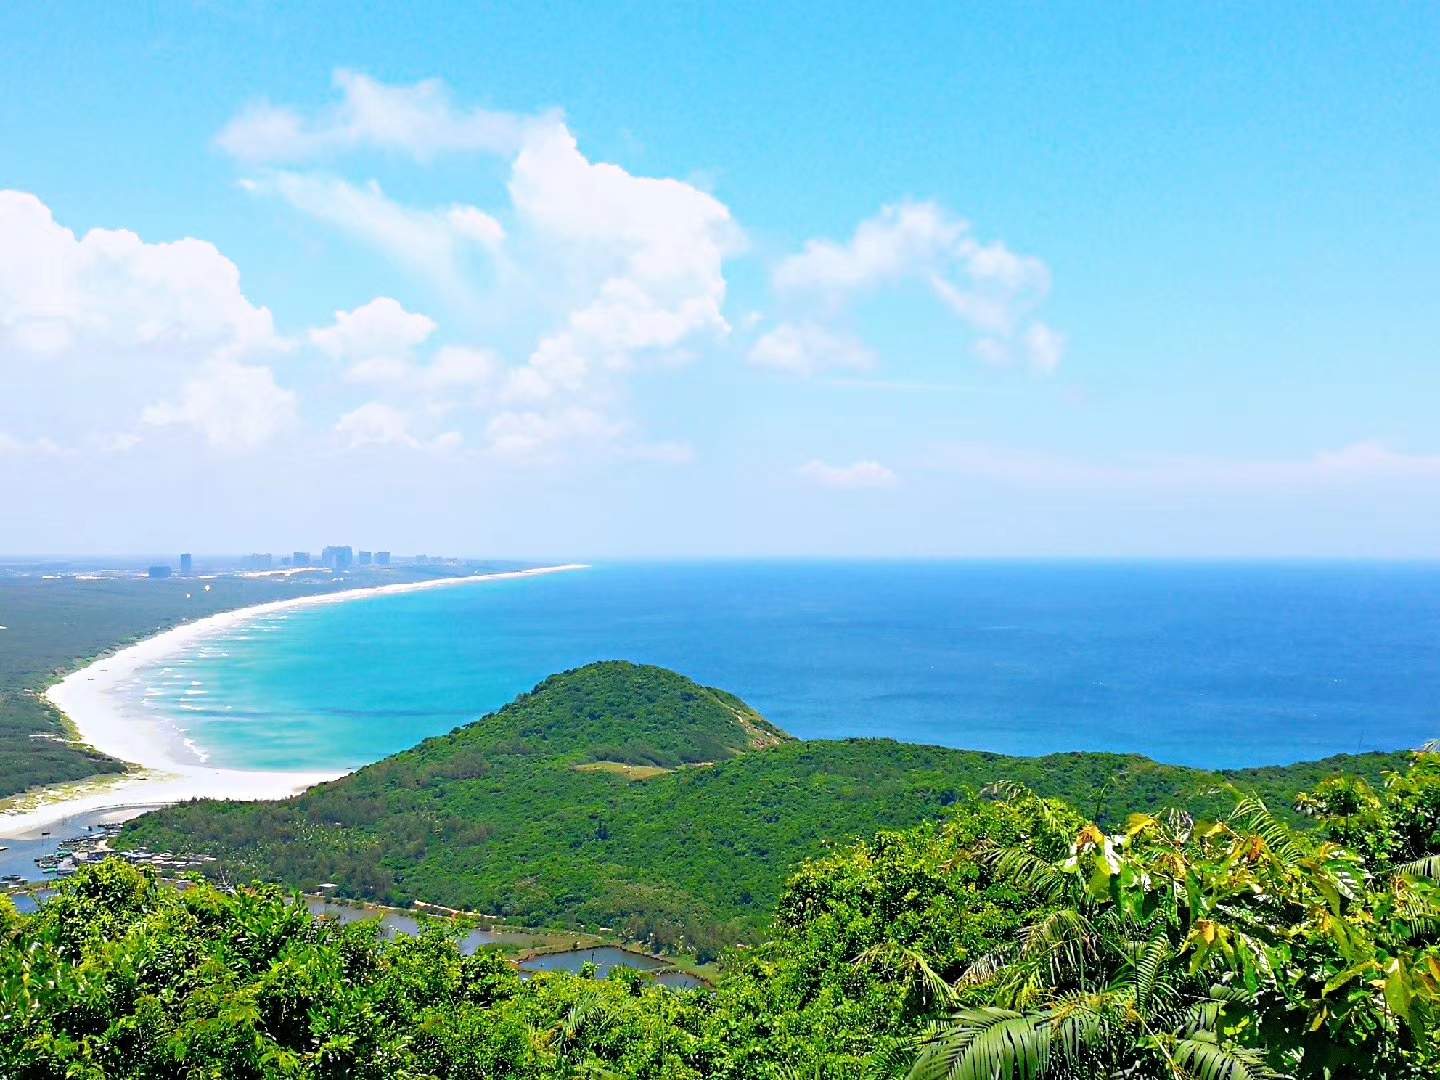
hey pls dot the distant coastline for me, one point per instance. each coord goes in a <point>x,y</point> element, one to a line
<point>161,776</point>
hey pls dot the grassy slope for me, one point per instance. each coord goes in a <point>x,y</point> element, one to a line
<point>497,817</point>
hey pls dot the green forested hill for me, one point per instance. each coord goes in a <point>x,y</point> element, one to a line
<point>618,712</point>
<point>631,797</point>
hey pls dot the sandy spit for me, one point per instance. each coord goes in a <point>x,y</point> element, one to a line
<point>163,777</point>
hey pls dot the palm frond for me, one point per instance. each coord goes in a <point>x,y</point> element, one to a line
<point>986,1044</point>
<point>890,1060</point>
<point>1200,1018</point>
<point>1065,938</point>
<point>911,966</point>
<point>1014,792</point>
<point>1148,972</point>
<point>1087,1023</point>
<point>1205,1059</point>
<point>1029,873</point>
<point>984,968</point>
<point>1252,814</point>
<point>1428,867</point>
<point>1007,791</point>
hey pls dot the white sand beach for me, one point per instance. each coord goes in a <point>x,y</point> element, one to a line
<point>88,698</point>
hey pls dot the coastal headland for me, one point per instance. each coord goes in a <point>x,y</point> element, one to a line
<point>629,796</point>
<point>160,772</point>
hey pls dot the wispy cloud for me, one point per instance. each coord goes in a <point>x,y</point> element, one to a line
<point>805,348</point>
<point>987,286</point>
<point>431,244</point>
<point>860,474</point>
<point>1362,462</point>
<point>419,121</point>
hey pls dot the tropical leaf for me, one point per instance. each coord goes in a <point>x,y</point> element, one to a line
<point>1428,867</point>
<point>986,1044</point>
<point>1148,977</point>
<point>890,1060</point>
<point>911,967</point>
<point>1205,1059</point>
<point>1012,791</point>
<point>1253,815</point>
<point>1030,873</point>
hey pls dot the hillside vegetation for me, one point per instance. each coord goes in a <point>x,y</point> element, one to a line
<point>1009,939</point>
<point>631,797</point>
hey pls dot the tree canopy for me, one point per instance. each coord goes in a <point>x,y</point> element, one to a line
<point>629,796</point>
<point>1011,938</point>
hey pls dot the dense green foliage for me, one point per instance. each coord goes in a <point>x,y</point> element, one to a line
<point>1219,950</point>
<point>1010,939</point>
<point>502,816</point>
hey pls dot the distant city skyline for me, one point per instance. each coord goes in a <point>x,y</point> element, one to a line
<point>549,283</point>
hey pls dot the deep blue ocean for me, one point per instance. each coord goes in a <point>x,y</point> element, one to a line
<point>1200,664</point>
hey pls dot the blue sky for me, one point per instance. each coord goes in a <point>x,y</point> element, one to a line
<point>592,280</point>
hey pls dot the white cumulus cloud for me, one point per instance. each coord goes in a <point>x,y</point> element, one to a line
<point>94,330</point>
<point>650,251</point>
<point>534,436</point>
<point>615,271</point>
<point>379,343</point>
<point>381,329</point>
<point>235,406</point>
<point>109,291</point>
<point>376,423</point>
<point>899,242</point>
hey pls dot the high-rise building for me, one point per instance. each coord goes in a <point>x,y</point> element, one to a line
<point>301,558</point>
<point>338,556</point>
<point>260,562</point>
<point>382,558</point>
<point>159,571</point>
<point>187,564</point>
<point>365,558</point>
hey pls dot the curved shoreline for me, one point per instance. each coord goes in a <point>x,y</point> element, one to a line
<point>86,697</point>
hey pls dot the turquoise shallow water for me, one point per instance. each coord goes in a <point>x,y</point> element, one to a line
<point>1212,665</point>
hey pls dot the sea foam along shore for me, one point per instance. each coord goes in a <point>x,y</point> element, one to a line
<point>87,697</point>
